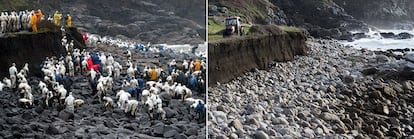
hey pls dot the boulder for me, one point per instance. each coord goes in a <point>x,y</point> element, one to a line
<point>180,136</point>
<point>260,135</point>
<point>383,109</point>
<point>404,35</point>
<point>389,91</point>
<point>158,129</point>
<point>280,121</point>
<point>330,117</point>
<point>27,115</point>
<point>331,89</point>
<point>52,130</point>
<point>109,124</point>
<point>387,34</point>
<point>212,10</point>
<point>237,125</point>
<point>358,36</point>
<point>220,116</point>
<point>382,58</point>
<point>348,79</point>
<point>170,112</point>
<point>39,109</point>
<point>370,71</point>
<point>170,133</point>
<point>309,133</point>
<point>12,112</point>
<point>66,115</point>
<point>376,94</point>
<point>191,131</point>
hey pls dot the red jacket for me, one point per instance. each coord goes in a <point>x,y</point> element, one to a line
<point>91,65</point>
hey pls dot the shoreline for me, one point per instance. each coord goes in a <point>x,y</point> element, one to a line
<point>323,94</point>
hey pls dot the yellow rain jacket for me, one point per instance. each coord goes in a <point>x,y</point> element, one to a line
<point>69,21</point>
<point>153,75</point>
<point>33,21</point>
<point>197,65</point>
<point>56,18</point>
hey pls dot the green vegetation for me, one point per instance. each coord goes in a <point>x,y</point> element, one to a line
<point>15,34</point>
<point>214,29</point>
<point>246,28</point>
<point>290,29</point>
<point>250,11</point>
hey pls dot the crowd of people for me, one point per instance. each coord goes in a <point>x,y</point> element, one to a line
<point>146,85</point>
<point>28,20</point>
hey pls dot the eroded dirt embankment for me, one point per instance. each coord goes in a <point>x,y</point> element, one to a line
<point>28,48</point>
<point>32,48</point>
<point>229,58</point>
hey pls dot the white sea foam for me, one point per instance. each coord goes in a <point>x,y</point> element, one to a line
<point>376,42</point>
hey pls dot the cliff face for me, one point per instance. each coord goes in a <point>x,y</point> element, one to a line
<point>28,48</point>
<point>322,13</point>
<point>322,18</point>
<point>229,58</point>
<point>32,48</point>
<point>381,13</point>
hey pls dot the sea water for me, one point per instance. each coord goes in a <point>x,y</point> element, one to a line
<point>199,49</point>
<point>375,41</point>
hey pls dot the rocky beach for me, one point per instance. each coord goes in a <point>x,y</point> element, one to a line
<point>91,120</point>
<point>335,91</point>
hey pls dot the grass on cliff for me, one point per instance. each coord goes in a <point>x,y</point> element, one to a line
<point>290,29</point>
<point>215,30</point>
<point>15,34</point>
<point>251,11</point>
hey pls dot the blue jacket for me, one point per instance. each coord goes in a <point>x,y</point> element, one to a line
<point>140,82</point>
<point>170,70</point>
<point>42,64</point>
<point>181,77</point>
<point>139,47</point>
<point>65,78</point>
<point>94,83</point>
<point>139,69</point>
<point>131,90</point>
<point>192,81</point>
<point>200,107</point>
<point>95,58</point>
<point>58,78</point>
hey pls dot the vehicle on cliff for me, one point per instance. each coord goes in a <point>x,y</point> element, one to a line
<point>233,27</point>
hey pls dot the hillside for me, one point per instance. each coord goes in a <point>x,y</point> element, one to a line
<point>381,13</point>
<point>322,18</point>
<point>155,21</point>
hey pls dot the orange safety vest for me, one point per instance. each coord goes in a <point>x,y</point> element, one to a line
<point>69,21</point>
<point>33,20</point>
<point>39,15</point>
<point>197,66</point>
<point>153,75</point>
